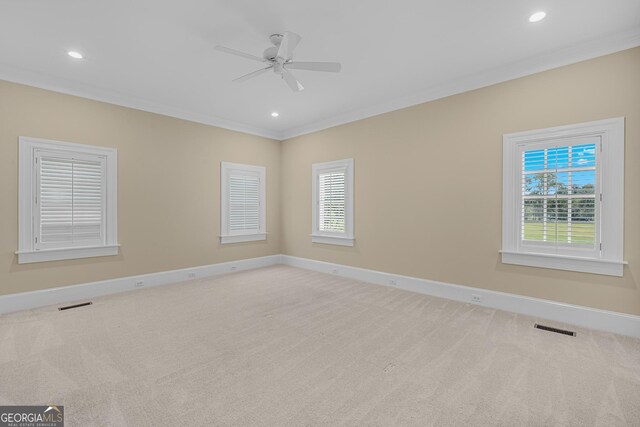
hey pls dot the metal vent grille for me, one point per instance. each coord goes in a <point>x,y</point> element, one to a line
<point>74,306</point>
<point>556,330</point>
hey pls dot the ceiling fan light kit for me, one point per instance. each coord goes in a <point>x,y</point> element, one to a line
<point>279,58</point>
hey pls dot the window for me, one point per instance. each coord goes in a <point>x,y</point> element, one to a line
<point>333,203</point>
<point>243,213</point>
<point>563,200</point>
<point>67,201</point>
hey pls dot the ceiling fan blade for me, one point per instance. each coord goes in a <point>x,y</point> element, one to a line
<point>288,44</point>
<point>238,53</point>
<point>252,74</point>
<point>331,67</point>
<point>293,83</point>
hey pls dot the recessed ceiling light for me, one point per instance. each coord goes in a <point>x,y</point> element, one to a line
<point>275,114</point>
<point>74,54</point>
<point>537,17</point>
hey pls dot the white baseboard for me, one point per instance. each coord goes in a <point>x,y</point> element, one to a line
<point>609,321</point>
<point>27,300</point>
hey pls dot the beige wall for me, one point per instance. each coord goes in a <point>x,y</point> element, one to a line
<point>437,161</point>
<point>428,182</point>
<point>168,186</point>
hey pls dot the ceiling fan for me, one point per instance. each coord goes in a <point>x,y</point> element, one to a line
<point>279,58</point>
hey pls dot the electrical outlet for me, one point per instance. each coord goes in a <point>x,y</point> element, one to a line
<point>139,284</point>
<point>192,275</point>
<point>476,298</point>
<point>233,268</point>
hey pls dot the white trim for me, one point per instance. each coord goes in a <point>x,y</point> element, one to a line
<point>608,255</point>
<point>227,169</point>
<point>27,251</point>
<point>330,238</point>
<point>66,253</point>
<point>239,238</point>
<point>592,318</point>
<point>603,320</point>
<point>28,300</point>
<point>547,61</point>
<point>558,58</point>
<point>562,262</point>
<point>333,240</point>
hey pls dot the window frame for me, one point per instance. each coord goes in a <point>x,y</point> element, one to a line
<point>226,235</point>
<point>27,210</point>
<point>608,258</point>
<point>332,238</point>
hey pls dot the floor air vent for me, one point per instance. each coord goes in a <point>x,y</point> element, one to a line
<point>74,306</point>
<point>556,330</point>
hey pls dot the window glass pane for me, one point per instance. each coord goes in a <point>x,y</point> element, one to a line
<point>584,155</point>
<point>535,184</point>
<point>331,202</point>
<point>559,158</point>
<point>533,226</point>
<point>583,182</point>
<point>533,160</point>
<point>554,179</point>
<point>561,182</point>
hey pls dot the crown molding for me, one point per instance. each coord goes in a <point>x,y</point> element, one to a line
<point>554,59</point>
<point>58,84</point>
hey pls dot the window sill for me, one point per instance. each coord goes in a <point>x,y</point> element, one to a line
<point>563,262</point>
<point>333,240</point>
<point>26,257</point>
<point>239,238</point>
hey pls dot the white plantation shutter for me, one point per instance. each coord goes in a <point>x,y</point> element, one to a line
<point>560,194</point>
<point>70,200</point>
<point>331,201</point>
<point>243,213</point>
<point>244,203</point>
<point>332,198</point>
<point>563,197</point>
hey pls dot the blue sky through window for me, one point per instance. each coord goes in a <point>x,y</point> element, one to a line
<point>558,157</point>
<point>582,156</point>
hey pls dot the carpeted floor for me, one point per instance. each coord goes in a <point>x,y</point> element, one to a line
<point>283,346</point>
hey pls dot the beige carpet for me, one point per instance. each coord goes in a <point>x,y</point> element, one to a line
<point>282,346</point>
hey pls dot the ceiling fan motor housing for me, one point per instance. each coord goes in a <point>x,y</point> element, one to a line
<point>270,53</point>
<point>276,39</point>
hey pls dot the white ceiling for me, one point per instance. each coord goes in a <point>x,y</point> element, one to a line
<point>157,55</point>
